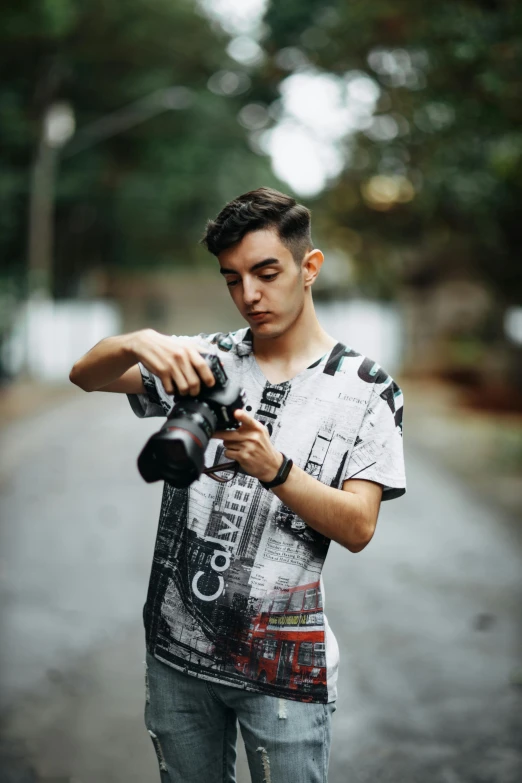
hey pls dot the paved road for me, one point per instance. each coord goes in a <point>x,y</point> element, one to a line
<point>427,617</point>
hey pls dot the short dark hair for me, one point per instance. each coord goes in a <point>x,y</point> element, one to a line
<point>263,208</point>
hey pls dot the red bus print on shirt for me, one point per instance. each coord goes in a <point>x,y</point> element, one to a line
<point>285,644</point>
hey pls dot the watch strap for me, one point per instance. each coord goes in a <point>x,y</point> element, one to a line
<point>282,474</point>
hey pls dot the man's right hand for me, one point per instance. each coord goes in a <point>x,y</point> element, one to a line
<point>176,361</point>
<point>112,364</point>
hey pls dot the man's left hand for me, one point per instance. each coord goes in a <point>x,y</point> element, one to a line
<point>250,446</point>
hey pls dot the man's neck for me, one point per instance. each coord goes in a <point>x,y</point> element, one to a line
<point>305,340</point>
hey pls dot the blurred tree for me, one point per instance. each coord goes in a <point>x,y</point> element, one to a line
<point>140,198</point>
<point>434,182</point>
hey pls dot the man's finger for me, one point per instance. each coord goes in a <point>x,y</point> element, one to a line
<point>247,423</point>
<point>199,363</point>
<point>245,419</point>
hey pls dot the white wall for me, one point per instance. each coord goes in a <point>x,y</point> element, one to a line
<point>48,337</point>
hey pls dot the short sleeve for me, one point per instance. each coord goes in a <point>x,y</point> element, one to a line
<point>378,453</point>
<point>155,401</point>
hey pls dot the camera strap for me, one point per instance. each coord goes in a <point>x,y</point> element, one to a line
<point>233,465</point>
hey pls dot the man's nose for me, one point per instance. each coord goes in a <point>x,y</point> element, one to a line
<point>251,292</point>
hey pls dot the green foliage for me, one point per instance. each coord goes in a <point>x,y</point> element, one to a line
<point>140,198</point>
<point>449,75</point>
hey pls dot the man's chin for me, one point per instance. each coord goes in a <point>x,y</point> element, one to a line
<point>266,330</point>
<point>259,329</point>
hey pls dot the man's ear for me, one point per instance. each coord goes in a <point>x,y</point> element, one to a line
<point>311,266</point>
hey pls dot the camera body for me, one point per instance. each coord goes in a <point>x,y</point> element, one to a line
<point>176,453</point>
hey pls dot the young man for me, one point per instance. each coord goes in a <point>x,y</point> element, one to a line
<point>234,616</point>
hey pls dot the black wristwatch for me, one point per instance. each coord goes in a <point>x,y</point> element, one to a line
<point>282,474</point>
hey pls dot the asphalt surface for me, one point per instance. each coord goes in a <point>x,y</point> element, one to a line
<point>427,617</point>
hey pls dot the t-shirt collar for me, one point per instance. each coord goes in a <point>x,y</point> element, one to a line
<point>245,346</point>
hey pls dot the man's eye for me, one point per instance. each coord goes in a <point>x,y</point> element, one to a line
<point>230,283</point>
<point>268,277</point>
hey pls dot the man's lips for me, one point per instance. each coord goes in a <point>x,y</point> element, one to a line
<point>257,313</point>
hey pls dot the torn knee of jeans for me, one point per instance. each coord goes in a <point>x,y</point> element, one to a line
<point>159,752</point>
<point>282,714</point>
<point>147,690</point>
<point>266,764</point>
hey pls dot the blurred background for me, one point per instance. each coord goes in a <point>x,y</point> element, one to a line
<point>123,128</point>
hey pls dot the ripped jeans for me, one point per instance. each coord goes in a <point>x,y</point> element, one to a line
<point>193,726</point>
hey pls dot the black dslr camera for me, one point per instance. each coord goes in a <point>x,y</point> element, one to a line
<point>176,452</point>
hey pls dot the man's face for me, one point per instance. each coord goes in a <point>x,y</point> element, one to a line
<point>264,279</point>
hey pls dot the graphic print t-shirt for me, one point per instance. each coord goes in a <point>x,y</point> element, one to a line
<point>236,593</point>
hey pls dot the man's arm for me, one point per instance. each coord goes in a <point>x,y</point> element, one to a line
<point>347,515</point>
<point>110,365</point>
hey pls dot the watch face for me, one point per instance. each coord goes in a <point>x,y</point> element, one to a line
<point>284,470</point>
<point>281,476</point>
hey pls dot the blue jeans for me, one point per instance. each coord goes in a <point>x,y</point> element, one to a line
<point>193,726</point>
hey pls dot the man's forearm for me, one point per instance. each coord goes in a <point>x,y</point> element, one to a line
<point>337,514</point>
<point>105,362</point>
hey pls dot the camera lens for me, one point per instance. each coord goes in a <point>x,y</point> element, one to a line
<point>176,453</point>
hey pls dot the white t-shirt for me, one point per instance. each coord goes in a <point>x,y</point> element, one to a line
<point>236,593</point>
